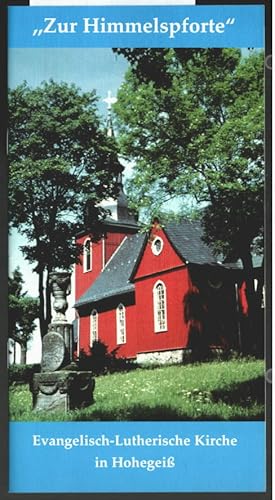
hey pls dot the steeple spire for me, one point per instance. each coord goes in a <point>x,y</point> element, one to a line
<point>119,206</point>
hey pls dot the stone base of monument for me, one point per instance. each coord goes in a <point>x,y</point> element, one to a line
<point>62,390</point>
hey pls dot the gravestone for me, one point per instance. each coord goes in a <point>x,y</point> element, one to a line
<point>53,352</point>
<point>60,386</point>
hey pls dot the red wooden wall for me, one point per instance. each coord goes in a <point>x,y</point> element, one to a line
<point>167,267</point>
<point>83,280</point>
<point>107,332</point>
<point>177,284</point>
<point>151,264</point>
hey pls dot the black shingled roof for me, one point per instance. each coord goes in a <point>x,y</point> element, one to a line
<point>186,238</point>
<point>114,279</point>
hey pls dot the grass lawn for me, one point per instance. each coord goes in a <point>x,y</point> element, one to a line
<point>220,390</point>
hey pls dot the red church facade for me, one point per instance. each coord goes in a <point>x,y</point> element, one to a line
<point>155,296</point>
<point>167,271</point>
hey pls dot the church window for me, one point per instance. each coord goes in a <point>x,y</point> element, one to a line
<point>121,324</point>
<point>160,307</point>
<point>157,245</point>
<point>93,327</point>
<point>87,255</point>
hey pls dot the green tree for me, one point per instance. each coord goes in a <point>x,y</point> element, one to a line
<point>23,311</point>
<point>200,136</point>
<point>182,138</point>
<point>61,162</point>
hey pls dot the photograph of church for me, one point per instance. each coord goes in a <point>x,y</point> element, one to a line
<point>137,287</point>
<point>155,296</point>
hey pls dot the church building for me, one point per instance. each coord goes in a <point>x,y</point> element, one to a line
<point>154,296</point>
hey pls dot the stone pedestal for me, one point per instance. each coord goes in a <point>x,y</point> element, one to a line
<point>62,390</point>
<point>60,386</point>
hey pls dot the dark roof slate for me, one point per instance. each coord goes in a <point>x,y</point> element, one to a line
<point>114,279</point>
<point>186,238</point>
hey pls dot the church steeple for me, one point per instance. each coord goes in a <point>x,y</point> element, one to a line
<point>119,206</point>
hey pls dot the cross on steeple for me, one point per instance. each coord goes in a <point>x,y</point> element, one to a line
<point>110,100</point>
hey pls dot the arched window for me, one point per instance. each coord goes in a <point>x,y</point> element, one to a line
<point>160,307</point>
<point>121,324</point>
<point>93,327</point>
<point>87,255</point>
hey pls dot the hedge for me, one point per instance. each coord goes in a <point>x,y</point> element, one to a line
<point>22,374</point>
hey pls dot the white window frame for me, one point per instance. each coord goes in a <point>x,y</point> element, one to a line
<point>86,269</point>
<point>155,251</point>
<point>121,324</point>
<point>93,327</point>
<point>160,308</point>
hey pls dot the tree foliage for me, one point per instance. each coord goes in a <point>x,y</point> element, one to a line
<point>61,161</point>
<point>199,135</point>
<point>23,311</point>
<point>154,64</point>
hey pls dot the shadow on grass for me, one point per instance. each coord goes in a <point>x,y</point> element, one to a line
<point>158,413</point>
<point>243,393</point>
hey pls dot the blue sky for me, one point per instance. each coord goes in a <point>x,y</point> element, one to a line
<point>89,69</point>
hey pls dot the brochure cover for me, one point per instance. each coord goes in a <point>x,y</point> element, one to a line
<point>138,193</point>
